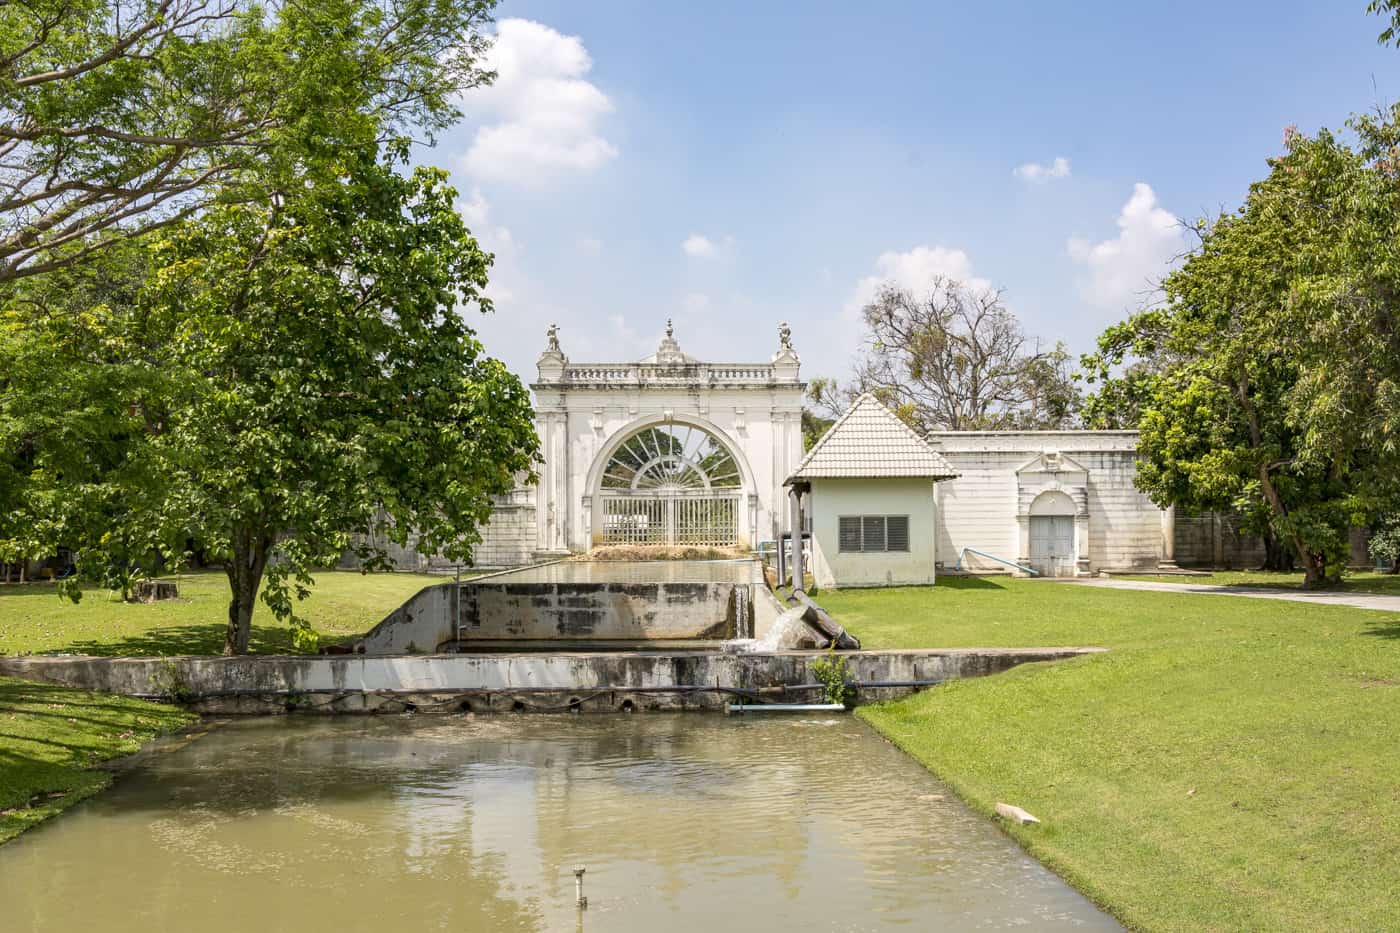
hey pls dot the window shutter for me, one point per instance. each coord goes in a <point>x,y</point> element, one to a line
<point>873,533</point>
<point>897,535</point>
<point>848,533</point>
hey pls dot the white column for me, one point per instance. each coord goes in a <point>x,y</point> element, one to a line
<point>1168,561</point>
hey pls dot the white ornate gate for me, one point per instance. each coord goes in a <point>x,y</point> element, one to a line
<point>671,484</point>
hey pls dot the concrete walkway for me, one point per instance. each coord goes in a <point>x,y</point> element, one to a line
<point>1356,600</point>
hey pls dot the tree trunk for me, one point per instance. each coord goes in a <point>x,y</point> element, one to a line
<point>1276,556</point>
<point>244,572</point>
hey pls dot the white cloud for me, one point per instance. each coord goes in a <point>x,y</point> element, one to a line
<point>1034,171</point>
<point>699,246</point>
<point>1123,271</point>
<point>695,302</point>
<point>590,246</point>
<point>546,114</point>
<point>505,274</point>
<point>915,271</point>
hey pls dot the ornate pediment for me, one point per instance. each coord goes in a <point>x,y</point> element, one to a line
<point>1054,463</point>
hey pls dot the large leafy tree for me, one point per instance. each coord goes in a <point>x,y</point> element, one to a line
<point>118,117</point>
<point>292,373</point>
<point>1269,381</point>
<point>955,358</point>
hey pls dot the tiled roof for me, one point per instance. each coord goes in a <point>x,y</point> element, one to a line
<point>869,440</point>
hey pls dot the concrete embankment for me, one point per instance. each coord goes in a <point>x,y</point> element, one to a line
<point>586,682</point>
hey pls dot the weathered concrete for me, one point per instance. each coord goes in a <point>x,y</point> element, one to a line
<point>576,601</point>
<point>594,682</point>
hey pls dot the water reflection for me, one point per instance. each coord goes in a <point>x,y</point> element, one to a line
<point>686,822</point>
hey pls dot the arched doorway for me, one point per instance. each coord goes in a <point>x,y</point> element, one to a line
<point>1052,546</point>
<point>670,484</point>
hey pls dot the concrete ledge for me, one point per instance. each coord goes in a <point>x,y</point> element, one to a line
<point>583,682</point>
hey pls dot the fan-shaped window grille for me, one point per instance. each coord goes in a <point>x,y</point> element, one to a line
<point>667,458</point>
<point>671,484</point>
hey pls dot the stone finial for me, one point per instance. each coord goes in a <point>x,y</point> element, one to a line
<point>670,330</point>
<point>552,335</point>
<point>784,336</point>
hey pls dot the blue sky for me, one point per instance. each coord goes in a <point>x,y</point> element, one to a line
<point>733,165</point>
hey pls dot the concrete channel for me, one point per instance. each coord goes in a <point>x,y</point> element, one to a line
<point>573,636</point>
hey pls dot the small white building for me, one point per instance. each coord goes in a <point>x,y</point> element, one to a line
<point>871,484</point>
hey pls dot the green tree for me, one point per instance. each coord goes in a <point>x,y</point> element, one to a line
<point>118,117</point>
<point>954,358</point>
<point>292,373</point>
<point>1268,381</point>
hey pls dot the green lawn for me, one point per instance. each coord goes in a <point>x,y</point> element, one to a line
<point>50,739</point>
<point>1229,764</point>
<point>1382,584</point>
<point>34,618</point>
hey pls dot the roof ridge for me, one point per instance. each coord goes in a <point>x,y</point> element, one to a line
<point>912,452</point>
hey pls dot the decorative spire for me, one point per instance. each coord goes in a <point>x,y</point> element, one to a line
<point>669,352</point>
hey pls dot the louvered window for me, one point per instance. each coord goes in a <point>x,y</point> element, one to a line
<point>872,533</point>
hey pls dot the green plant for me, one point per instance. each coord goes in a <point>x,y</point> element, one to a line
<point>170,683</point>
<point>835,679</point>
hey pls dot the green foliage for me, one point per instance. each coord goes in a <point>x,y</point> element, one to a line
<point>813,427</point>
<point>290,373</point>
<point>1385,542</point>
<point>832,674</point>
<point>1269,383</point>
<point>118,117</point>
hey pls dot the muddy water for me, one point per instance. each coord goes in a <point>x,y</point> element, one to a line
<point>685,823</point>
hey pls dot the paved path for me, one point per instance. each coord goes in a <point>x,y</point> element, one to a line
<point>1358,600</point>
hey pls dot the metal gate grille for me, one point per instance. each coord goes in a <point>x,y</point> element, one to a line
<point>709,520</point>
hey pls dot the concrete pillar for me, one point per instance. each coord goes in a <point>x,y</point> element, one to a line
<point>795,514</point>
<point>1168,561</point>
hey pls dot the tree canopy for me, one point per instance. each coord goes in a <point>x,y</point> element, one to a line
<point>954,358</point>
<point>1269,380</point>
<point>122,116</point>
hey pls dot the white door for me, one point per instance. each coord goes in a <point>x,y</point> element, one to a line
<point>1052,545</point>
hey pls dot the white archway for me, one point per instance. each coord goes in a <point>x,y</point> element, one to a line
<point>674,480</point>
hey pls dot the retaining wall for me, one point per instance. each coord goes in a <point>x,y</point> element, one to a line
<point>593,682</point>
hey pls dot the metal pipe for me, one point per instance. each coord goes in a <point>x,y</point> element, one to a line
<point>1000,560</point>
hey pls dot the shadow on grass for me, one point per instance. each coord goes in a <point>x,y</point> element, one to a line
<point>971,583</point>
<point>1389,628</point>
<point>173,640</point>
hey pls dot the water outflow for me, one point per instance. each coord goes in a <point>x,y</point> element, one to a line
<point>685,823</point>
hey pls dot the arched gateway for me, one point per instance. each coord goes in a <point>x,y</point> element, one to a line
<point>666,450</point>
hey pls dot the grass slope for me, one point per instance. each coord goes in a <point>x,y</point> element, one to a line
<point>34,618</point>
<point>50,739</point>
<point>1230,764</point>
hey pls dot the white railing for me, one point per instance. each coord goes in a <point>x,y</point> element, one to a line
<point>688,520</point>
<point>637,373</point>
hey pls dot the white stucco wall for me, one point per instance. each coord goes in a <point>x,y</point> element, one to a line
<point>832,498</point>
<point>987,506</point>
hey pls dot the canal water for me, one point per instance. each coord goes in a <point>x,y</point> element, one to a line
<point>684,822</point>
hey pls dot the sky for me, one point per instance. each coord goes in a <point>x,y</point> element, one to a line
<point>733,165</point>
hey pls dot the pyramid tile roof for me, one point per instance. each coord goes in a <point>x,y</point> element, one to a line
<point>869,440</point>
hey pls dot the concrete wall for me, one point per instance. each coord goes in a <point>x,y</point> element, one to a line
<point>1213,539</point>
<point>450,616</point>
<point>1002,472</point>
<point>833,498</point>
<point>502,683</point>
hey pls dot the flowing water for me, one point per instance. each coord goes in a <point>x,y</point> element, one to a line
<point>685,822</point>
